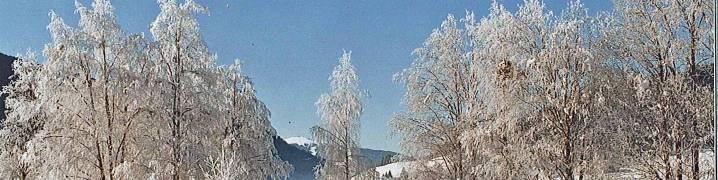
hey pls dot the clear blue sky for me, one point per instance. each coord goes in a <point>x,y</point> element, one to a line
<point>289,47</point>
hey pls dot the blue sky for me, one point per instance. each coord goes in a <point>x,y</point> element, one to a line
<point>289,47</point>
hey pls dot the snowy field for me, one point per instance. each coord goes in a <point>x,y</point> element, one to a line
<point>707,164</point>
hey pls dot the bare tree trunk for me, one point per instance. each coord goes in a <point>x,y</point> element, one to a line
<point>176,114</point>
<point>696,167</point>
<point>107,112</point>
<point>346,152</point>
<point>679,159</point>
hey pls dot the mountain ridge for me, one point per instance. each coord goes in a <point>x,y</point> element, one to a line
<point>301,153</point>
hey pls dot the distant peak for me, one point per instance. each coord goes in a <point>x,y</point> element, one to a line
<point>302,141</point>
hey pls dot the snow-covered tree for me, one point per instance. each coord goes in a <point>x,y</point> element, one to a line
<point>441,98</point>
<point>337,136</point>
<point>505,45</point>
<point>530,94</point>
<point>666,52</point>
<point>246,135</point>
<point>91,84</point>
<point>106,105</point>
<point>207,114</point>
<point>186,100</point>
<point>19,154</point>
<point>536,81</point>
<point>562,98</point>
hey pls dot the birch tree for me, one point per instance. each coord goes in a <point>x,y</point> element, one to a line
<point>19,152</point>
<point>90,86</point>
<point>106,105</point>
<point>337,137</point>
<point>564,98</point>
<point>510,96</point>
<point>246,136</point>
<point>535,76</point>
<point>666,47</point>
<point>504,47</point>
<point>186,75</point>
<point>441,98</point>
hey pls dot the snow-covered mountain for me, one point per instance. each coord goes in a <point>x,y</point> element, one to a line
<point>301,153</point>
<point>303,144</point>
<point>302,160</point>
<point>372,158</point>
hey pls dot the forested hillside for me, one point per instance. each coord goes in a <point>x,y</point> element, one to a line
<point>5,73</point>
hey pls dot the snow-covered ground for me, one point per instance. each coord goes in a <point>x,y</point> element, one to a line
<point>395,168</point>
<point>707,163</point>
<point>406,166</point>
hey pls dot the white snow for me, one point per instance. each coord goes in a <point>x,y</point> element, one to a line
<point>706,163</point>
<point>530,62</point>
<point>302,141</point>
<point>313,150</point>
<point>395,168</point>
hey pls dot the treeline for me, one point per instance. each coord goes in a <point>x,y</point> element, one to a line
<point>513,95</point>
<point>535,95</point>
<point>108,105</point>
